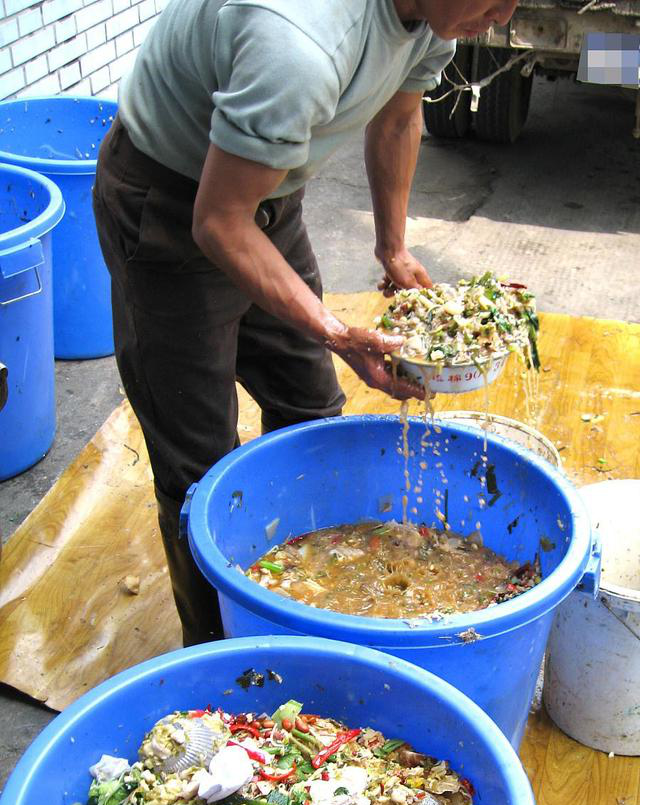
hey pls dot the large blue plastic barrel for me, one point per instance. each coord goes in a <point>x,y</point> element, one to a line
<point>361,687</point>
<point>30,207</point>
<point>346,469</point>
<point>59,137</point>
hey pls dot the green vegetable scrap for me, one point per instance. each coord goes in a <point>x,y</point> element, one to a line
<point>388,747</point>
<point>533,326</point>
<point>289,710</point>
<point>115,791</point>
<point>276,568</point>
<point>277,796</point>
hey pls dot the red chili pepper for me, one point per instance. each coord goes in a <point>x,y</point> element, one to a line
<point>335,745</point>
<point>280,776</point>
<point>198,712</point>
<point>248,728</point>
<point>374,542</point>
<point>325,776</point>
<point>479,577</point>
<point>510,587</point>
<point>513,285</point>
<point>467,786</point>
<point>294,540</point>
<point>253,754</point>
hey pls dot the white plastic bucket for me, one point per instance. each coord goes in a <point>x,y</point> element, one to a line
<point>591,686</point>
<point>507,427</point>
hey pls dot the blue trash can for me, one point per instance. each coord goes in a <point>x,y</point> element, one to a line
<point>30,207</point>
<point>361,687</point>
<point>347,469</point>
<point>59,137</point>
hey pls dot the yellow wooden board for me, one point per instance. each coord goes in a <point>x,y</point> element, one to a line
<point>67,622</point>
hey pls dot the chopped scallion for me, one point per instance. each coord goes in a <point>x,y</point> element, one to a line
<point>276,568</point>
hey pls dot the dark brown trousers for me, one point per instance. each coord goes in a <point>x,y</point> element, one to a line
<point>184,334</point>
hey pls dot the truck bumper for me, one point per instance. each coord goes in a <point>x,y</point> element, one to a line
<point>558,35</point>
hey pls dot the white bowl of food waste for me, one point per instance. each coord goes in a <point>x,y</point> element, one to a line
<point>458,338</point>
<point>447,380</point>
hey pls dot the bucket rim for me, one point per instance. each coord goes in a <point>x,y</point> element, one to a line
<point>480,416</point>
<point>620,593</point>
<point>514,776</point>
<point>53,166</point>
<point>45,221</point>
<point>386,633</point>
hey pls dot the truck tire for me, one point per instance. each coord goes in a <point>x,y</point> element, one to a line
<point>437,116</point>
<point>503,104</point>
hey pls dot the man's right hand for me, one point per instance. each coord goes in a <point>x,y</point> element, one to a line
<point>364,351</point>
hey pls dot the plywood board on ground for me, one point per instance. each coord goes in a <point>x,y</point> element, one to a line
<point>67,620</point>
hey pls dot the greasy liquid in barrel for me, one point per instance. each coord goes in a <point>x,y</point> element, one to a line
<point>388,570</point>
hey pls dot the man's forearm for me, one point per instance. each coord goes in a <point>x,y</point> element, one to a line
<point>224,227</point>
<point>392,142</point>
<point>256,266</point>
<point>253,263</point>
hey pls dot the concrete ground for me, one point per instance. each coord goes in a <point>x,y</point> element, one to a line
<point>559,211</point>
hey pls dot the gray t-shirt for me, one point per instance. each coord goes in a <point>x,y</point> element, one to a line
<point>280,82</point>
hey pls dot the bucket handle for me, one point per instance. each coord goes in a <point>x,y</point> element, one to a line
<point>20,259</point>
<point>591,579</point>
<point>184,512</point>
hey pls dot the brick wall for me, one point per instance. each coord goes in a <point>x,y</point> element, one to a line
<point>80,47</point>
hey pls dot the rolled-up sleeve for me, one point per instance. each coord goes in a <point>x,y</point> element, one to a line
<point>426,74</point>
<point>274,85</point>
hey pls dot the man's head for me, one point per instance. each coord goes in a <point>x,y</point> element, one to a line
<point>452,19</point>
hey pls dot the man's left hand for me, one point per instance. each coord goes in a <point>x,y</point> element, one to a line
<point>402,270</point>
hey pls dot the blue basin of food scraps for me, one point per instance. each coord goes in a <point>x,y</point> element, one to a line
<point>346,469</point>
<point>359,686</point>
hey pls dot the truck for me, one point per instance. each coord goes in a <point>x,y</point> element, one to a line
<point>487,87</point>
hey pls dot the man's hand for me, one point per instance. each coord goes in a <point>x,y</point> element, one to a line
<point>364,351</point>
<point>402,270</point>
